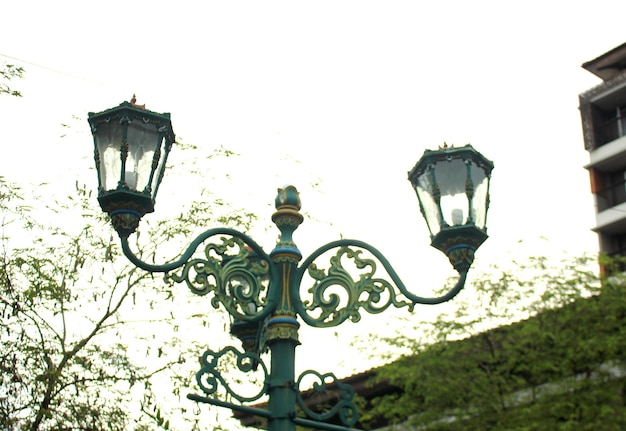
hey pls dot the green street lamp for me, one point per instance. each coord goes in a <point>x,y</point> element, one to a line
<point>263,292</point>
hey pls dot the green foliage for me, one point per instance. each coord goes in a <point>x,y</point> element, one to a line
<point>7,73</point>
<point>559,369</point>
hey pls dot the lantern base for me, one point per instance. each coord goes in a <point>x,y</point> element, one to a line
<point>125,222</point>
<point>125,209</point>
<point>461,257</point>
<point>459,243</point>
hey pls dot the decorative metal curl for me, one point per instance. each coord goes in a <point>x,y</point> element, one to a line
<point>324,394</point>
<point>210,379</point>
<point>370,293</point>
<point>232,273</point>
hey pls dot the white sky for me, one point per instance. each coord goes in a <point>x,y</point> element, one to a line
<point>344,93</point>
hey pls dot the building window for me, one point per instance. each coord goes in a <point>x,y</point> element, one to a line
<point>614,192</point>
<point>610,124</point>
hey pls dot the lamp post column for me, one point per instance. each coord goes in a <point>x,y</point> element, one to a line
<point>282,327</point>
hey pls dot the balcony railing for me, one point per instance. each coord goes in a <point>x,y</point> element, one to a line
<point>611,196</point>
<point>613,128</point>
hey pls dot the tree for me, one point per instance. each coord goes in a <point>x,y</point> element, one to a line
<point>557,368</point>
<point>9,72</point>
<point>88,341</point>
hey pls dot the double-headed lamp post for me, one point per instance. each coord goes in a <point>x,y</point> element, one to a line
<point>261,291</point>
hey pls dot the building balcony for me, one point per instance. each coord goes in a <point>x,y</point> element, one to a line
<point>609,157</point>
<point>611,220</point>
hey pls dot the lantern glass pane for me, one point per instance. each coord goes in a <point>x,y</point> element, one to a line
<point>108,142</point>
<point>481,190</point>
<point>143,139</point>
<point>425,194</point>
<point>451,176</point>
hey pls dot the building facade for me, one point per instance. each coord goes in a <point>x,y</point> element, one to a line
<point>603,114</point>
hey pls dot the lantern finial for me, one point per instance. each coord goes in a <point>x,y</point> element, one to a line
<point>133,103</point>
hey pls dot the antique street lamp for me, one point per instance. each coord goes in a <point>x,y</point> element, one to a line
<point>265,293</point>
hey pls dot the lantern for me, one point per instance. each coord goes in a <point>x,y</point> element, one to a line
<point>452,186</point>
<point>131,149</point>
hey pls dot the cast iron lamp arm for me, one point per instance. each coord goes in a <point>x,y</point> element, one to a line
<point>191,249</point>
<point>373,294</point>
<point>214,274</point>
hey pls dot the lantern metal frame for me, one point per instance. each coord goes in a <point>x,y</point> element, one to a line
<point>458,241</point>
<point>269,294</point>
<point>126,205</point>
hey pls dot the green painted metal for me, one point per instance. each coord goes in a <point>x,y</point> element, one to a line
<point>236,280</point>
<point>345,408</point>
<point>210,379</point>
<point>372,294</point>
<point>281,389</point>
<point>268,295</point>
<point>232,406</point>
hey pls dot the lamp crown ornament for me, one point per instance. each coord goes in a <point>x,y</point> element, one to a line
<point>133,103</point>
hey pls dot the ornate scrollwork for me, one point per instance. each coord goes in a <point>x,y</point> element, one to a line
<point>368,292</point>
<point>210,379</point>
<point>234,274</point>
<point>327,398</point>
